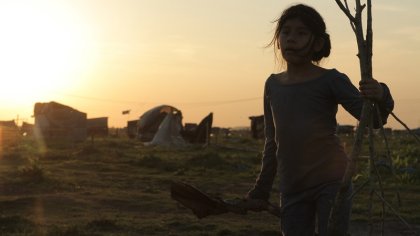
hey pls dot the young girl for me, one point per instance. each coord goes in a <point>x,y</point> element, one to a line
<point>300,106</point>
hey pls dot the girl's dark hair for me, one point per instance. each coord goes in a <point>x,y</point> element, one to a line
<point>311,19</point>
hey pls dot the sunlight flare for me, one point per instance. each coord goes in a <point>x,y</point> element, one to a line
<point>43,49</point>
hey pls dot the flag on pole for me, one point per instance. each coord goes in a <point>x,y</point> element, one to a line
<point>126,112</point>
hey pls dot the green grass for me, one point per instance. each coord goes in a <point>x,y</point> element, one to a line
<point>120,187</point>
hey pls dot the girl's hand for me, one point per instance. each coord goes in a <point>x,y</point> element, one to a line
<point>371,89</point>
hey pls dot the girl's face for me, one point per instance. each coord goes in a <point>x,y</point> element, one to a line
<point>296,42</point>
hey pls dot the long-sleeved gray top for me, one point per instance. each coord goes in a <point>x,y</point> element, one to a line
<point>301,144</point>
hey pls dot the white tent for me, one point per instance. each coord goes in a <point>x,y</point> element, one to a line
<point>161,125</point>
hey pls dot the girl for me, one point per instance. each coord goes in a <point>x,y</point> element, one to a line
<point>300,106</point>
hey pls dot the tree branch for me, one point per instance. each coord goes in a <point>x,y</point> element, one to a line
<point>388,153</point>
<point>369,39</point>
<point>365,62</point>
<point>351,22</point>
<point>406,127</point>
<point>394,211</point>
<point>366,74</point>
<point>345,10</point>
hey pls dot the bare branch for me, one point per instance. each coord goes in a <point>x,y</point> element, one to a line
<point>358,189</point>
<point>370,172</point>
<point>351,22</point>
<point>345,10</point>
<point>394,211</point>
<point>388,153</point>
<point>369,37</point>
<point>406,127</point>
<point>347,5</point>
<point>333,228</point>
<point>359,10</point>
<point>365,62</point>
<point>373,167</point>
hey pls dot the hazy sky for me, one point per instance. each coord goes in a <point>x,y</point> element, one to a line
<point>105,56</point>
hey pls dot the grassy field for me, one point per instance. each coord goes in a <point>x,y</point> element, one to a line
<point>117,186</point>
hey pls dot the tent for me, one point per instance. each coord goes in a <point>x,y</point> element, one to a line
<point>161,125</point>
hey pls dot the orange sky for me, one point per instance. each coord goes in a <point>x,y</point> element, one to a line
<point>105,56</point>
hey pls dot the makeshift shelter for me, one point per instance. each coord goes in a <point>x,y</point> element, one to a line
<point>54,121</point>
<point>27,129</point>
<point>132,128</point>
<point>161,125</point>
<point>257,126</point>
<point>9,133</point>
<point>200,133</point>
<point>346,129</point>
<point>97,126</point>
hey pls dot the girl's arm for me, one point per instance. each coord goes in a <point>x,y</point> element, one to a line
<point>264,182</point>
<point>352,100</point>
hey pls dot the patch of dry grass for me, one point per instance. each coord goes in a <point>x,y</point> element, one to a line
<point>119,187</point>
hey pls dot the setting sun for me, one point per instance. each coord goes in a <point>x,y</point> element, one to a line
<point>42,50</point>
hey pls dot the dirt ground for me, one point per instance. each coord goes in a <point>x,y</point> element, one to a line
<point>395,228</point>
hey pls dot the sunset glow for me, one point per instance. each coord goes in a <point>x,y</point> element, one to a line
<point>103,57</point>
<point>42,50</point>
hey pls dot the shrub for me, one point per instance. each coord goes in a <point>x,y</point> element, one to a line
<point>32,171</point>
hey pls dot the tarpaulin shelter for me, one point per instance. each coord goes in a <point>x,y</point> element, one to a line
<point>200,133</point>
<point>161,125</point>
<point>54,121</point>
